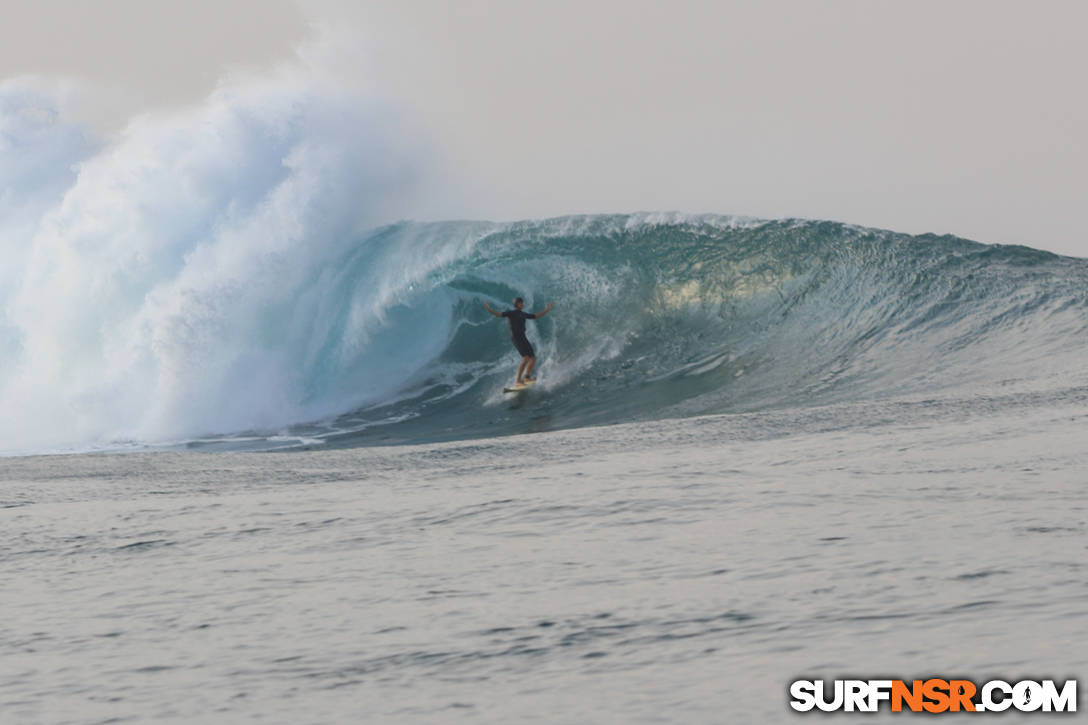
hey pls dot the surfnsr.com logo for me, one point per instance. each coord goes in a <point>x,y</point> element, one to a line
<point>933,695</point>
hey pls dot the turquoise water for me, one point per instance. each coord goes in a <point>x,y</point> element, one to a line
<point>671,316</point>
<point>657,317</point>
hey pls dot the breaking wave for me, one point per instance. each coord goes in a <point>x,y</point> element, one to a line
<point>215,278</point>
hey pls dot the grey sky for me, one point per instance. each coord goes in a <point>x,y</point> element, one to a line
<point>149,53</point>
<point>966,117</point>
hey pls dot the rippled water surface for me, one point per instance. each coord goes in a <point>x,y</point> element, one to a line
<point>673,571</point>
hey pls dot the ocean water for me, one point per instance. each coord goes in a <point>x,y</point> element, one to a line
<point>667,571</point>
<point>257,464</point>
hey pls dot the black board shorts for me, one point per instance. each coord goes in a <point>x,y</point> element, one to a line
<point>523,346</point>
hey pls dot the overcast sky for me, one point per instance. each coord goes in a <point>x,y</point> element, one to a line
<point>966,116</point>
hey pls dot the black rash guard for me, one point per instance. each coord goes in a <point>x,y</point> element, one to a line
<point>517,331</point>
<point>517,321</point>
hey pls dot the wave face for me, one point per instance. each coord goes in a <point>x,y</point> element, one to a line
<point>667,315</point>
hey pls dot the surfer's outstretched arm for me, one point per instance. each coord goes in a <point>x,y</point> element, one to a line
<point>497,314</point>
<point>545,311</point>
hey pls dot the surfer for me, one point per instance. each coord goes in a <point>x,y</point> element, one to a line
<point>517,319</point>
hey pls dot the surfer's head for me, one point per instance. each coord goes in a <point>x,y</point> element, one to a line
<point>518,303</point>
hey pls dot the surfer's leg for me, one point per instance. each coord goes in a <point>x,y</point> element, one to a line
<point>527,354</point>
<point>529,368</point>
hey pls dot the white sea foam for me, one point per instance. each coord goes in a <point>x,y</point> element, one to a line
<point>162,282</point>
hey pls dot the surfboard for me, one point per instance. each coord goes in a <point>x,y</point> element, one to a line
<point>519,388</point>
